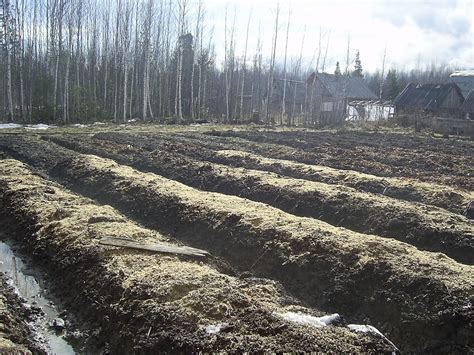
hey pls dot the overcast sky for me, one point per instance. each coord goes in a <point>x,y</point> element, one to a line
<point>413,31</point>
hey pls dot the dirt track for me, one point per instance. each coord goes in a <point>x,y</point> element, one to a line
<point>419,299</point>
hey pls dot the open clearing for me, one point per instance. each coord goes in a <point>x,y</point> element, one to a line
<point>299,226</point>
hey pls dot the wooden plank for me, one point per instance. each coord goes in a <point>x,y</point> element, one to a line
<point>152,247</point>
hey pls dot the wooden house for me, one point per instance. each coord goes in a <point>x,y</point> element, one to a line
<point>321,99</point>
<point>468,106</point>
<point>444,100</point>
<point>464,80</point>
<point>331,94</point>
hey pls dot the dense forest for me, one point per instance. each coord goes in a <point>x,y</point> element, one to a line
<point>86,60</point>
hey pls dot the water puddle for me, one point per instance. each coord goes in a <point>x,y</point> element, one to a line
<point>30,286</point>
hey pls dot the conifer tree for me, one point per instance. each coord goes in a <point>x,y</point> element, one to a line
<point>392,81</point>
<point>357,66</point>
<point>338,69</point>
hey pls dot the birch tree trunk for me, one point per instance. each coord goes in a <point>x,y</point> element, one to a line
<point>272,66</point>
<point>382,77</point>
<point>65,115</point>
<point>226,69</point>
<point>59,16</point>
<point>6,44</point>
<point>244,68</point>
<point>283,103</point>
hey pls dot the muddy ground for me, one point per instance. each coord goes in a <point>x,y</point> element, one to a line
<point>427,159</point>
<point>16,335</point>
<point>146,302</point>
<point>297,247</point>
<point>128,146</point>
<point>425,226</point>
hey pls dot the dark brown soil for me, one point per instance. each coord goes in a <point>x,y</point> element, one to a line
<point>205,147</point>
<point>428,159</point>
<point>417,224</point>
<point>148,303</point>
<point>420,299</point>
<point>16,336</point>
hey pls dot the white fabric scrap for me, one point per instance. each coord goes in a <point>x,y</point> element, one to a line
<point>307,319</point>
<point>360,328</point>
<point>215,328</point>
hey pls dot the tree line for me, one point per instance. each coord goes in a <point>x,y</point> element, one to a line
<point>86,60</point>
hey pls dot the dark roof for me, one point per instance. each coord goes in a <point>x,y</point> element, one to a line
<point>465,81</point>
<point>343,86</point>
<point>468,105</point>
<point>277,92</point>
<point>426,97</point>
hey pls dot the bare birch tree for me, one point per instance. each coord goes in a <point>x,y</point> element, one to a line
<point>285,74</point>
<point>272,65</point>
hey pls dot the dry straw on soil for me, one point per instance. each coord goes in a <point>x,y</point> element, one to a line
<point>418,297</point>
<point>455,200</point>
<point>147,302</point>
<point>422,300</point>
<point>424,226</point>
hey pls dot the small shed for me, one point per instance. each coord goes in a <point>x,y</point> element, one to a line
<point>430,99</point>
<point>468,106</point>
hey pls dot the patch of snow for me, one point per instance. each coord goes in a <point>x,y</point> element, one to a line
<point>307,319</point>
<point>80,125</point>
<point>368,329</point>
<point>10,125</point>
<point>215,328</point>
<point>39,126</point>
<point>99,123</point>
<point>132,120</point>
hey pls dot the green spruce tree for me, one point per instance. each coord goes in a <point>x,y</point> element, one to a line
<point>357,66</point>
<point>393,88</point>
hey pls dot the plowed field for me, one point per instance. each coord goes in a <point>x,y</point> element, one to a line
<point>317,241</point>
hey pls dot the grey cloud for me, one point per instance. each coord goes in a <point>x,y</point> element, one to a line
<point>428,15</point>
<point>438,21</point>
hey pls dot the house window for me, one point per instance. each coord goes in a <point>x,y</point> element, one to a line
<point>327,106</point>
